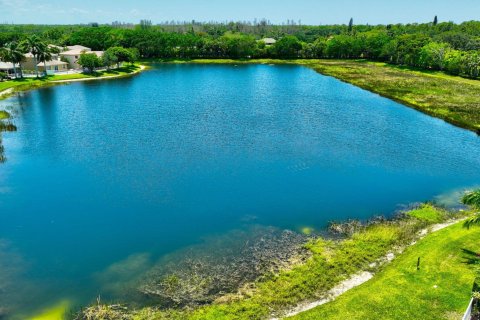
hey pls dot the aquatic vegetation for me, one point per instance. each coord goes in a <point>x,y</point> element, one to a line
<point>57,312</point>
<point>2,151</point>
<point>202,273</point>
<point>428,213</point>
<point>330,262</point>
<point>307,231</point>
<point>121,278</point>
<point>5,125</point>
<point>4,115</point>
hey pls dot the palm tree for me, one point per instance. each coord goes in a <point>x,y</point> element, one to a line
<point>3,53</point>
<point>15,55</point>
<point>44,55</point>
<point>34,46</point>
<point>472,199</point>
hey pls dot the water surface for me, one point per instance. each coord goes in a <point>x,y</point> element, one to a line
<point>102,171</point>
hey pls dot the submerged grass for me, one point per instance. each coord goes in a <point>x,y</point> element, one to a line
<point>331,262</point>
<point>4,115</point>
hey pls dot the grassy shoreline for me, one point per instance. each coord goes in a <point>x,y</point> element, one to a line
<point>331,262</point>
<point>8,88</point>
<point>440,289</point>
<point>451,98</point>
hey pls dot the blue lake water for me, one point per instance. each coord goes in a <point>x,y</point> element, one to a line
<point>100,171</point>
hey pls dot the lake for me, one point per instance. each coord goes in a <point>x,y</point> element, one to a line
<point>144,166</point>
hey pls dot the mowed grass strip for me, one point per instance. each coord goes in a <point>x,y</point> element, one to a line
<point>441,289</point>
<point>33,83</point>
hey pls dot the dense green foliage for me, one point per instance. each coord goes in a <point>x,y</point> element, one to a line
<point>472,199</point>
<point>89,62</point>
<point>437,46</point>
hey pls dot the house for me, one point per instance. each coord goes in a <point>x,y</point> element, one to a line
<point>53,66</point>
<point>269,41</point>
<point>7,67</point>
<point>77,47</point>
<point>72,55</point>
<point>29,61</point>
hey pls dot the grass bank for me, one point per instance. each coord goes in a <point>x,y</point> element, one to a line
<point>439,290</point>
<point>25,84</point>
<point>451,98</point>
<point>331,262</point>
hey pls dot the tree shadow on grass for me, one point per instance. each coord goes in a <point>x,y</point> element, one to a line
<point>470,257</point>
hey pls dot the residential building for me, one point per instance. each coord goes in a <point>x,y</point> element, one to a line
<point>29,62</point>
<point>77,47</point>
<point>269,41</point>
<point>53,66</point>
<point>72,55</point>
<point>7,67</point>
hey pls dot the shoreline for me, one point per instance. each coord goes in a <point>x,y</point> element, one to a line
<point>42,83</point>
<point>141,68</point>
<point>334,268</point>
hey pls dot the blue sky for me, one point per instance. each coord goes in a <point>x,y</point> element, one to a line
<point>308,11</point>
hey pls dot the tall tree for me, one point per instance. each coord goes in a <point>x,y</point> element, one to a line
<point>44,55</point>
<point>350,26</point>
<point>435,21</point>
<point>15,55</point>
<point>89,61</point>
<point>33,45</point>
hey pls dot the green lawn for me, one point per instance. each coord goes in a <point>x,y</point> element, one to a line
<point>21,83</point>
<point>32,83</point>
<point>114,72</point>
<point>441,289</point>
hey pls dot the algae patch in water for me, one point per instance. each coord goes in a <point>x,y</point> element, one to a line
<point>4,115</point>
<point>56,312</point>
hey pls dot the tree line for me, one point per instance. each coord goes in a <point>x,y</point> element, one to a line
<point>42,51</point>
<point>453,48</point>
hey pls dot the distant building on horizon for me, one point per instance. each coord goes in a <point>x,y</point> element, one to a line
<point>269,41</point>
